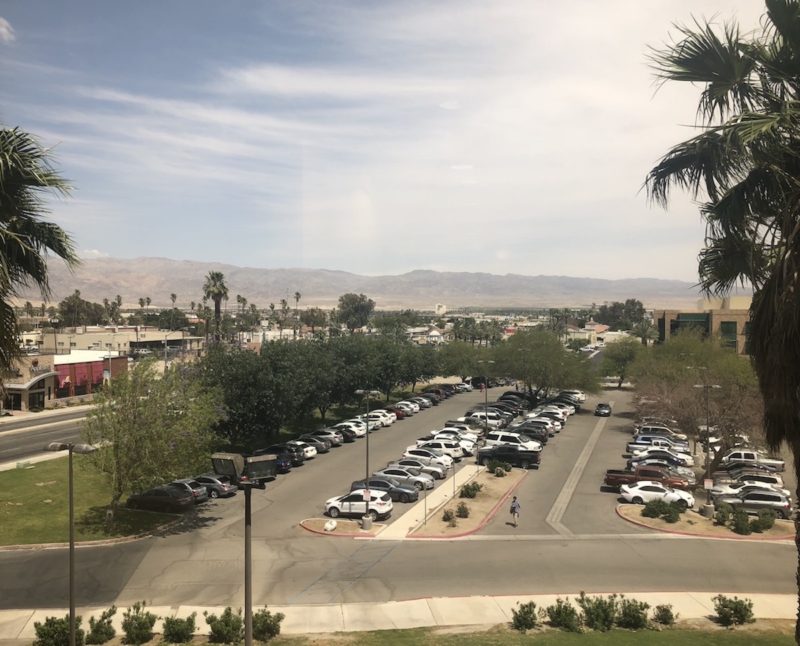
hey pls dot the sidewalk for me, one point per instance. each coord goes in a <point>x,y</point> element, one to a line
<point>414,517</point>
<point>18,625</point>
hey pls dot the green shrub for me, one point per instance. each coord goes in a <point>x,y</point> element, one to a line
<point>453,522</point>
<point>266,625</point>
<point>179,631</point>
<point>655,509</point>
<point>733,611</point>
<point>137,624</point>
<point>741,522</point>
<point>462,511</point>
<point>723,514</point>
<point>598,612</point>
<point>101,630</point>
<point>663,615</point>
<point>755,526</point>
<point>672,514</point>
<point>506,466</point>
<point>448,515</point>
<point>766,518</point>
<point>499,472</point>
<point>493,464</point>
<point>55,632</point>
<point>562,614</point>
<point>524,618</point>
<point>470,490</point>
<point>228,628</point>
<point>632,614</point>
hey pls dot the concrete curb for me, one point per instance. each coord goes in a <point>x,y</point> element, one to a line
<point>733,537</point>
<point>492,513</point>
<point>361,534</point>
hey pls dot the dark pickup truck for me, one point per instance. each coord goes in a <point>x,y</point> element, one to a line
<point>615,478</point>
<point>511,454</point>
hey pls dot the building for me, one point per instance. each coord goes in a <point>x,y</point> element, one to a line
<point>731,325</point>
<point>439,309</point>
<point>122,339</point>
<point>40,381</point>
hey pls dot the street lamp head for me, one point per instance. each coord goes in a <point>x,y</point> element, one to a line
<point>67,446</point>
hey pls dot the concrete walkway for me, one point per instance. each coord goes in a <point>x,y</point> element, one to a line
<point>428,502</point>
<point>18,625</point>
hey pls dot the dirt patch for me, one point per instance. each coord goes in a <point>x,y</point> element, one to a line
<point>493,490</point>
<point>343,527</point>
<point>693,523</point>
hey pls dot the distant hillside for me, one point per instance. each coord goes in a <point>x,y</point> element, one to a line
<point>420,289</point>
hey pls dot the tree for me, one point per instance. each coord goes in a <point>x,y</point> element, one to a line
<point>313,317</point>
<point>744,166</point>
<point>26,238</point>
<point>157,428</point>
<point>645,331</point>
<point>619,356</point>
<point>621,316</point>
<point>354,311</point>
<point>458,358</point>
<point>215,289</point>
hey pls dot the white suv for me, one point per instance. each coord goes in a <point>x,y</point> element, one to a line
<point>521,441</point>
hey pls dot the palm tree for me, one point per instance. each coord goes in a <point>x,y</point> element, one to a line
<point>645,331</point>
<point>296,319</point>
<point>745,165</point>
<point>26,237</point>
<point>215,289</point>
<point>173,297</point>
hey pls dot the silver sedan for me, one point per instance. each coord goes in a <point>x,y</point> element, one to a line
<point>416,467</point>
<point>407,477</point>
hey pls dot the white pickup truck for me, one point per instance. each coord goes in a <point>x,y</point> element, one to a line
<point>752,457</point>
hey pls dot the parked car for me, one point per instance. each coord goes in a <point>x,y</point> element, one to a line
<point>738,488</point>
<point>753,475</point>
<point>491,420</point>
<point>359,430</point>
<point>517,439</point>
<point>422,402</point>
<point>349,435</point>
<point>398,412</point>
<point>754,501</point>
<point>615,478</point>
<point>436,471</point>
<point>353,504</point>
<point>674,469</point>
<point>309,451</point>
<point>217,486</point>
<point>752,457</point>
<point>662,431</point>
<point>198,491</point>
<point>283,459</point>
<point>453,449</point>
<point>404,476</point>
<point>641,492</point>
<point>429,456</point>
<point>578,394</point>
<point>684,459</point>
<point>514,455</point>
<point>164,499</point>
<point>320,443</point>
<point>296,454</point>
<point>398,492</point>
<point>644,441</point>
<point>333,436</point>
<point>602,410</point>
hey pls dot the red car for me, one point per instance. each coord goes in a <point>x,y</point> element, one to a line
<point>401,414</point>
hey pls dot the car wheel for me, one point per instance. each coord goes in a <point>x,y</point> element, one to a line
<point>637,501</point>
<point>524,464</point>
<point>682,505</point>
<point>784,514</point>
<point>214,494</point>
<point>481,461</point>
<point>418,486</point>
<point>373,515</point>
<point>333,512</point>
<point>405,498</point>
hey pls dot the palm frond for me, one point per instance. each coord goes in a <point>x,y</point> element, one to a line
<point>729,261</point>
<point>716,61</point>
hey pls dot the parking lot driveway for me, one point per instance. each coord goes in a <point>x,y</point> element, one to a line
<point>591,510</point>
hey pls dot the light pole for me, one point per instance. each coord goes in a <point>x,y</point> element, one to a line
<point>485,399</point>
<point>706,388</point>
<point>71,448</point>
<point>367,394</point>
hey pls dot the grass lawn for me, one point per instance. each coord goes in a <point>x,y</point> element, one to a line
<point>507,637</point>
<point>34,506</point>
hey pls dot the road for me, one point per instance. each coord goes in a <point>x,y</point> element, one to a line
<point>25,437</point>
<point>581,546</point>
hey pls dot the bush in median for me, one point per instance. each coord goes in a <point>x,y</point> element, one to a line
<point>266,625</point>
<point>733,611</point>
<point>562,614</point>
<point>598,613</point>
<point>55,632</point>
<point>524,618</point>
<point>179,631</point>
<point>137,624</point>
<point>664,616</point>
<point>228,628</point>
<point>101,630</point>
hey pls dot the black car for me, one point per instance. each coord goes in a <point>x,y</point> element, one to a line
<point>165,499</point>
<point>511,454</point>
<point>320,443</point>
<point>534,431</point>
<point>398,492</point>
<point>283,457</point>
<point>432,397</point>
<point>348,434</point>
<point>602,410</point>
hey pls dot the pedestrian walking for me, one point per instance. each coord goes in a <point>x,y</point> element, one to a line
<point>515,507</point>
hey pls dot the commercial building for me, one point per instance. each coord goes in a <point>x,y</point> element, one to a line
<point>730,325</point>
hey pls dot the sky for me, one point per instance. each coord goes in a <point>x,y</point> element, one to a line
<point>369,137</point>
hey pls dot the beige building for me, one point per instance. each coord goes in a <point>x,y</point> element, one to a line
<point>731,325</point>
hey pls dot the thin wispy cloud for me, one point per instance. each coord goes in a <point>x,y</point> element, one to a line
<point>6,31</point>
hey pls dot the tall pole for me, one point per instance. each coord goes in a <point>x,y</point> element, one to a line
<point>71,553</point>
<point>706,386</point>
<point>248,571</point>
<point>366,472</point>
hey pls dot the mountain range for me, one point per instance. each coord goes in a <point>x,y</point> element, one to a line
<point>157,278</point>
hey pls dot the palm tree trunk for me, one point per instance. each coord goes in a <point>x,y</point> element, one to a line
<point>796,460</point>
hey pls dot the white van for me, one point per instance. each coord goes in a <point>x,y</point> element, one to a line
<point>522,441</point>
